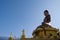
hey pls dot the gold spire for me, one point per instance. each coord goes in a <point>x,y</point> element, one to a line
<point>10,38</point>
<point>23,32</point>
<point>23,35</point>
<point>11,34</point>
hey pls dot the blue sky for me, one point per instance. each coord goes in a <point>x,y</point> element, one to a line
<point>16,15</point>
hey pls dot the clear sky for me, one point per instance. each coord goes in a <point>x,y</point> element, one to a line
<point>16,15</point>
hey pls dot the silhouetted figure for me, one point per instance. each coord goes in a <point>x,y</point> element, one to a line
<point>47,18</point>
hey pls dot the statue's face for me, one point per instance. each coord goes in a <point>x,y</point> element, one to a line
<point>45,13</point>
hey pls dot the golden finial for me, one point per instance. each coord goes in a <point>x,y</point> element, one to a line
<point>11,34</point>
<point>23,32</point>
<point>23,35</point>
<point>10,38</point>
